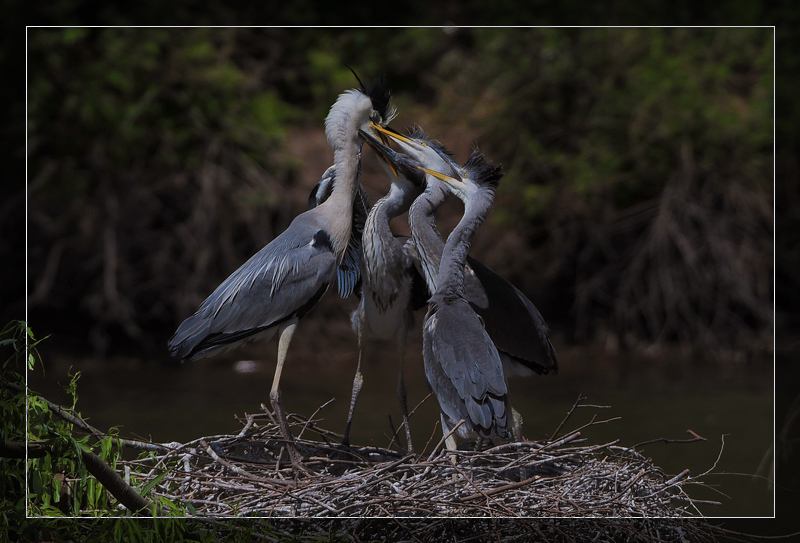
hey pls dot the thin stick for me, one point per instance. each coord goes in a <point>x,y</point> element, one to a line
<point>694,438</point>
<point>313,415</point>
<point>444,438</point>
<point>569,414</point>
<point>409,418</point>
<point>433,433</point>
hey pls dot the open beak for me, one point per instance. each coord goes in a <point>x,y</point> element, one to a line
<point>385,131</point>
<point>381,149</point>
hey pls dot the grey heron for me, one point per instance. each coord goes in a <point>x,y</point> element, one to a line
<point>282,282</point>
<point>513,322</point>
<point>462,364</point>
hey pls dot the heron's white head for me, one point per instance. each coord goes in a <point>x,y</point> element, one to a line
<point>355,109</point>
<point>351,111</point>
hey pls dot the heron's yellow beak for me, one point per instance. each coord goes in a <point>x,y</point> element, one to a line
<point>440,175</point>
<point>384,131</point>
<point>376,146</point>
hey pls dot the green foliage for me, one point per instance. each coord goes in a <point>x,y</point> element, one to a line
<point>602,113</point>
<point>58,485</point>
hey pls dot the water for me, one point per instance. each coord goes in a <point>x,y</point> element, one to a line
<point>656,397</point>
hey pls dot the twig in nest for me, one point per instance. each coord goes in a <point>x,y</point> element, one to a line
<point>444,438</point>
<point>433,433</point>
<point>581,397</point>
<point>694,438</point>
<point>481,492</point>
<point>311,419</point>
<point>246,427</point>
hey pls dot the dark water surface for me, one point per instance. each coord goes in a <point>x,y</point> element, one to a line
<point>661,396</point>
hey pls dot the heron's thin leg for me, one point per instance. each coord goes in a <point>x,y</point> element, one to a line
<point>401,387</point>
<point>450,441</point>
<point>286,333</point>
<point>516,424</point>
<point>358,380</point>
<point>515,417</point>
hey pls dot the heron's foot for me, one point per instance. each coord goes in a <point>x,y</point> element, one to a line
<point>358,382</point>
<point>279,418</point>
<point>297,460</point>
<point>346,437</point>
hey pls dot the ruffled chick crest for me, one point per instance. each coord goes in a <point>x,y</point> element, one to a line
<point>351,111</point>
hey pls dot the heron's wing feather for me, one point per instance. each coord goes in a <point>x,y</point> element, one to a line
<point>281,281</point>
<point>349,273</point>
<point>512,321</point>
<point>463,357</point>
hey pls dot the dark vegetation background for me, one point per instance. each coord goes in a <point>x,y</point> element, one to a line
<point>637,209</point>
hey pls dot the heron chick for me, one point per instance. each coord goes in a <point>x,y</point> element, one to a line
<point>462,365</point>
<point>512,321</point>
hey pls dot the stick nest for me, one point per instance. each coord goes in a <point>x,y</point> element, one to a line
<point>249,474</point>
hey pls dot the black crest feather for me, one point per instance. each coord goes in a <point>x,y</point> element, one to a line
<point>381,98</point>
<point>482,170</point>
<point>379,94</point>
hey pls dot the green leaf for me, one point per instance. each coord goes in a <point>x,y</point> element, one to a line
<point>149,486</point>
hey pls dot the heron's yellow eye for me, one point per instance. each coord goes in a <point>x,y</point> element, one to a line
<point>424,144</point>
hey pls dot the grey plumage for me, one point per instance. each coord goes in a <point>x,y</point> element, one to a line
<point>514,323</point>
<point>516,327</point>
<point>282,281</point>
<point>275,288</point>
<point>389,283</point>
<point>462,364</point>
<point>348,275</point>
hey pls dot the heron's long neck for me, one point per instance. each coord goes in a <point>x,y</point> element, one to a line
<point>454,255</point>
<point>428,240</point>
<point>339,206</point>
<point>378,241</point>
<point>387,208</point>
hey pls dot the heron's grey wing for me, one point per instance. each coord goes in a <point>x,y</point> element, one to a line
<point>511,320</point>
<point>464,370</point>
<point>283,280</point>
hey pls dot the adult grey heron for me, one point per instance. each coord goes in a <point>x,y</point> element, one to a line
<point>281,283</point>
<point>516,327</point>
